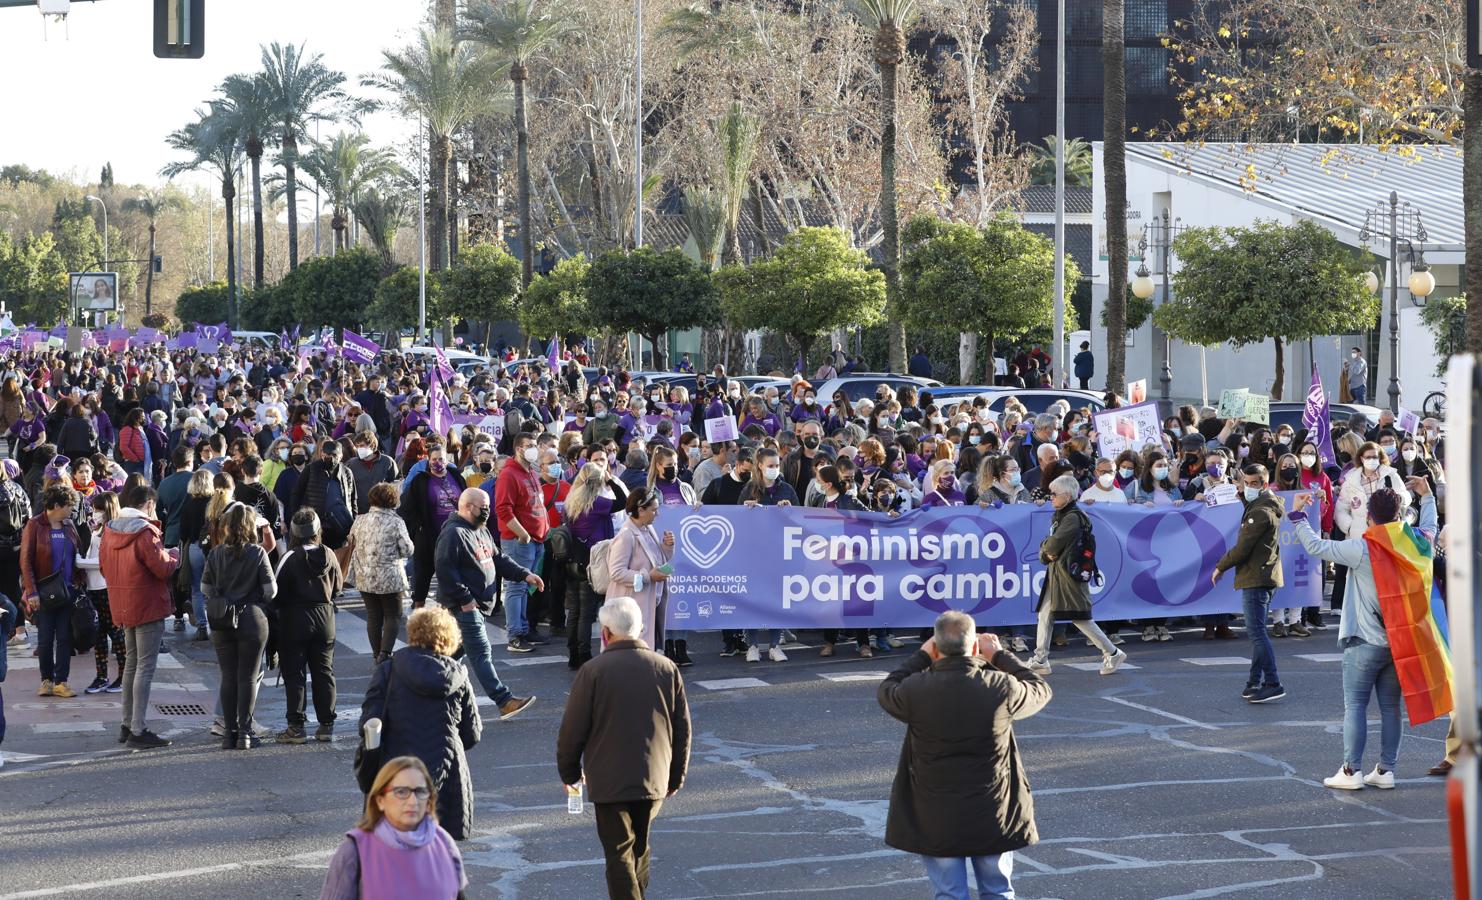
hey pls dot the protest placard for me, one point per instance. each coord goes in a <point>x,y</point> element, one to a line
<point>1232,403</point>
<point>722,428</point>
<point>1127,427</point>
<point>1137,391</point>
<point>1258,409</point>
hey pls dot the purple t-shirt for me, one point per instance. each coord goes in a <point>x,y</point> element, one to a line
<point>62,553</point>
<point>595,525</point>
<point>669,490</point>
<point>442,497</point>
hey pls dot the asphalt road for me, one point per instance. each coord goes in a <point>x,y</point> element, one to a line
<point>1158,781</point>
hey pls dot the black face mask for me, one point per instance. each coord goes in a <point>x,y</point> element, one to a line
<point>481,517</point>
<point>810,442</point>
<point>486,467</point>
<point>1289,473</point>
<point>668,473</point>
<point>297,460</point>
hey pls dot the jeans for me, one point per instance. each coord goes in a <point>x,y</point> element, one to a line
<point>948,876</point>
<point>1262,654</point>
<point>581,612</point>
<point>8,626</point>
<point>749,636</point>
<point>383,615</point>
<point>1360,394</point>
<point>54,630</point>
<point>1370,669</point>
<point>197,569</point>
<point>239,652</point>
<point>517,593</point>
<point>142,651</point>
<point>480,657</point>
<point>1090,629</point>
<point>306,646</point>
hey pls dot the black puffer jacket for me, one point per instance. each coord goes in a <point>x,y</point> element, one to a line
<point>308,580</point>
<point>429,713</point>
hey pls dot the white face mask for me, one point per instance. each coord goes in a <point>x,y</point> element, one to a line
<point>937,420</point>
<point>1371,464</point>
<point>1409,455</point>
<point>1160,473</point>
<point>770,473</point>
<point>1308,460</point>
<point>530,455</point>
<point>1105,480</point>
<point>283,455</point>
<point>364,452</point>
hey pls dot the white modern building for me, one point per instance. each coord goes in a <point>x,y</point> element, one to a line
<point>1200,185</point>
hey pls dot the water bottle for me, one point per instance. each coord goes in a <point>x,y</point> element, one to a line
<point>574,803</point>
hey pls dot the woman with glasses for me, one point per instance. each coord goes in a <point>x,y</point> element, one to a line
<point>423,700</point>
<point>398,844</point>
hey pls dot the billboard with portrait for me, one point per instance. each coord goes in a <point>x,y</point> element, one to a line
<point>94,291</point>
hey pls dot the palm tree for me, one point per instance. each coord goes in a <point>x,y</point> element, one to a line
<point>214,144</point>
<point>382,212</point>
<point>1078,162</point>
<point>250,103</point>
<point>514,31</point>
<point>341,168</point>
<point>705,214</point>
<point>738,140</point>
<point>151,205</point>
<point>298,88</point>
<point>890,18</point>
<point>1114,178</point>
<point>448,84</point>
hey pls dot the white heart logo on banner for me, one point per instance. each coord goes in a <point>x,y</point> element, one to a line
<point>706,539</point>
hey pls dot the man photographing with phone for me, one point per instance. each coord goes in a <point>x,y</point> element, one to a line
<point>961,795</point>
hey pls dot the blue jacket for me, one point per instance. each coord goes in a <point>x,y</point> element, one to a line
<point>1085,364</point>
<point>467,562</point>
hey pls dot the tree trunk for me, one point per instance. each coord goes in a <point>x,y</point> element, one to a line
<point>522,175</point>
<point>661,352</point>
<point>257,253</point>
<point>149,275</point>
<point>890,245</point>
<point>453,191</point>
<point>290,180</point>
<point>438,232</point>
<point>992,363</point>
<point>1279,385</point>
<point>1471,199</point>
<point>1114,177</point>
<point>764,242</point>
<point>445,14</point>
<point>229,193</point>
<point>967,356</point>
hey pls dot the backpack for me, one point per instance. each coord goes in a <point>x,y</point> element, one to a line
<point>558,545</point>
<point>12,520</point>
<point>597,572</point>
<point>1080,562</point>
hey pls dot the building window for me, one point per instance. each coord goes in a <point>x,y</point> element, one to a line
<point>1146,19</point>
<point>1147,71</point>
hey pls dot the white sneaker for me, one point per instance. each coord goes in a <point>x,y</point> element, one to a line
<point>775,654</point>
<point>1385,781</point>
<point>1163,634</point>
<point>1109,663</point>
<point>894,641</point>
<point>1116,638</point>
<point>1149,634</point>
<point>1039,666</point>
<point>1018,645</point>
<point>753,654</point>
<point>1343,781</point>
<point>788,637</point>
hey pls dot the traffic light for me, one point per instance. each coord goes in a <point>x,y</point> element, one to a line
<point>158,264</point>
<point>179,29</point>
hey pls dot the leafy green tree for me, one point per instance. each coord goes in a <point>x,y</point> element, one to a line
<point>395,303</point>
<point>1078,162</point>
<point>382,211</point>
<point>1446,317</point>
<point>650,292</point>
<point>326,290</point>
<point>247,99</point>
<point>997,281</point>
<point>556,303</point>
<point>1138,310</point>
<point>78,240</point>
<point>208,303</point>
<point>481,288</point>
<point>33,278</point>
<point>1271,282</point>
<point>815,282</point>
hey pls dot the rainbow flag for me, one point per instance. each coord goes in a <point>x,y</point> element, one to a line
<point>1402,559</point>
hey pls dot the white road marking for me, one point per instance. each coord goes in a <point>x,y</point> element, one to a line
<point>349,630</point>
<point>531,661</point>
<point>1095,666</point>
<point>852,676</point>
<point>1321,657</point>
<point>169,661</point>
<point>167,876</point>
<point>66,727</point>
<point>24,662</point>
<point>726,684</point>
<point>1216,660</point>
<point>1162,712</point>
<point>187,686</point>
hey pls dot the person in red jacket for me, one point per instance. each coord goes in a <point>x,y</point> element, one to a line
<point>133,443</point>
<point>519,508</point>
<point>137,567</point>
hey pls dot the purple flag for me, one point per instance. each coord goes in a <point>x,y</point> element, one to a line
<point>1317,419</point>
<point>553,355</point>
<point>187,340</point>
<point>444,368</point>
<point>361,349</point>
<point>441,412</point>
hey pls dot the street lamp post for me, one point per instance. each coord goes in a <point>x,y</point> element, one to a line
<point>105,229</point>
<point>1401,223</point>
<point>1164,231</point>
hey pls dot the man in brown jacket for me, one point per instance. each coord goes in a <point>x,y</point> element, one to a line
<point>1256,559</point>
<point>960,794</point>
<point>626,733</point>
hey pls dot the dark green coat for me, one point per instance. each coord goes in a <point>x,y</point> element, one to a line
<point>1256,556</point>
<point>1067,596</point>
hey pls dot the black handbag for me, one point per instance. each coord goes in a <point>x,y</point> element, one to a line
<point>84,621</point>
<point>54,592</point>
<point>368,762</point>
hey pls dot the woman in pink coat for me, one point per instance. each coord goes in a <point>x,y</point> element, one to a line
<point>637,561</point>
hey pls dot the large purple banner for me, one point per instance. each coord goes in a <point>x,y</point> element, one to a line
<point>770,567</point>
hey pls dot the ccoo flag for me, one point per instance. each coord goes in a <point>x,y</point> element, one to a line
<point>1317,419</point>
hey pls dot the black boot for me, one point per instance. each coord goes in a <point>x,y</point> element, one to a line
<point>669,650</point>
<point>573,660</point>
<point>229,741</point>
<point>682,654</point>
